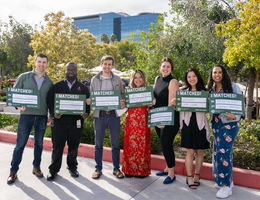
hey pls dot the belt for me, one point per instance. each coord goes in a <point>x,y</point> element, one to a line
<point>108,112</point>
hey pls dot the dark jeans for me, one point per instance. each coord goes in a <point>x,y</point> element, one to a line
<point>112,122</point>
<point>25,125</point>
<point>62,133</point>
<point>167,135</point>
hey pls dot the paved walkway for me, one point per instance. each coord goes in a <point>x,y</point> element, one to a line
<point>107,187</point>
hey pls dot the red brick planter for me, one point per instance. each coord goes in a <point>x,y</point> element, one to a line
<point>242,177</point>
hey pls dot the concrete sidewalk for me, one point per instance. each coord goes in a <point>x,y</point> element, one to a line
<point>107,187</point>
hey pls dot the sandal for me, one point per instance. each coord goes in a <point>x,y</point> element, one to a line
<point>191,186</point>
<point>197,183</point>
<point>97,173</point>
<point>118,173</point>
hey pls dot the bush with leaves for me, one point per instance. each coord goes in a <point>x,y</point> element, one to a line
<point>246,150</point>
<point>6,120</point>
<point>3,98</point>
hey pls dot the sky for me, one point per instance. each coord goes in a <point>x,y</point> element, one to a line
<point>32,11</point>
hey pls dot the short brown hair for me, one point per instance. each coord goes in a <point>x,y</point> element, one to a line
<point>132,84</point>
<point>41,55</point>
<point>107,58</point>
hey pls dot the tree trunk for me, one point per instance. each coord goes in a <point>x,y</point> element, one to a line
<point>250,93</point>
<point>257,103</point>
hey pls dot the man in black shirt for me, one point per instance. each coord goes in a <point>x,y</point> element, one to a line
<point>66,128</point>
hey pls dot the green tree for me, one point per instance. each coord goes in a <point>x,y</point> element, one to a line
<point>63,42</point>
<point>3,59</point>
<point>242,42</point>
<point>189,40</point>
<point>14,44</point>
<point>125,49</point>
<point>113,38</point>
<point>108,49</point>
<point>104,38</point>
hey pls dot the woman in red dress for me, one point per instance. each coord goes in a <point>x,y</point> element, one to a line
<point>137,138</point>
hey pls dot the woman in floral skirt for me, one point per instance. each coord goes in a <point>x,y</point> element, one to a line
<point>137,139</point>
<point>225,127</point>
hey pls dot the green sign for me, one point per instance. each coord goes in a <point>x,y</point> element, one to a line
<point>161,116</point>
<point>105,100</point>
<point>226,103</point>
<point>139,96</point>
<point>70,104</point>
<point>192,101</point>
<point>22,97</point>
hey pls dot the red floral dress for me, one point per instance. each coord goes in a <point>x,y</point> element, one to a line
<point>137,143</point>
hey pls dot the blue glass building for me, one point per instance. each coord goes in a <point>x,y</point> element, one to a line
<point>120,24</point>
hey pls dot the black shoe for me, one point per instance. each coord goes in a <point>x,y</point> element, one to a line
<point>74,173</point>
<point>191,186</point>
<point>51,176</point>
<point>129,176</point>
<point>141,176</point>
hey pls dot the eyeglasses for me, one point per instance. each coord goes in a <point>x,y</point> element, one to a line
<point>138,78</point>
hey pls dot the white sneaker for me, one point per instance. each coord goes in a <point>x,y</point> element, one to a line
<point>218,187</point>
<point>224,192</point>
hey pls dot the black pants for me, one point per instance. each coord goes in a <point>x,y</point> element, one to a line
<point>62,133</point>
<point>167,135</point>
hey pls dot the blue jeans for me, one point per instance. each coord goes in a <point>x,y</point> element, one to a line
<point>25,125</point>
<point>112,122</point>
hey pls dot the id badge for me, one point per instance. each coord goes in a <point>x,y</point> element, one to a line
<point>79,123</point>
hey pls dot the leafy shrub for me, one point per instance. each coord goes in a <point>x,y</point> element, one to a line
<point>3,98</point>
<point>7,84</point>
<point>6,120</point>
<point>247,145</point>
<point>155,142</point>
<point>88,135</point>
<point>246,149</point>
<point>48,132</point>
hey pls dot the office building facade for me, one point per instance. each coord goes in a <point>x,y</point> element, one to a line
<point>120,24</point>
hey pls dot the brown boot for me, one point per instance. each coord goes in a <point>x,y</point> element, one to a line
<point>11,178</point>
<point>37,172</point>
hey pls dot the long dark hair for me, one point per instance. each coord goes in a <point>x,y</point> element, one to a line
<point>200,84</point>
<point>226,82</point>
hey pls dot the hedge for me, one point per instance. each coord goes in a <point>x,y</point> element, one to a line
<point>246,147</point>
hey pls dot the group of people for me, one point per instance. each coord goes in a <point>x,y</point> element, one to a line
<point>194,126</point>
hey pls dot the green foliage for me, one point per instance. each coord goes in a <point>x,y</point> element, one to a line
<point>247,145</point>
<point>113,38</point>
<point>6,120</point>
<point>107,49</point>
<point>155,142</point>
<point>249,131</point>
<point>125,48</point>
<point>63,42</point>
<point>104,38</point>
<point>189,39</point>
<point>14,45</point>
<point>88,135</point>
<point>7,84</point>
<point>246,149</point>
<point>3,98</point>
<point>242,40</point>
<point>48,132</point>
